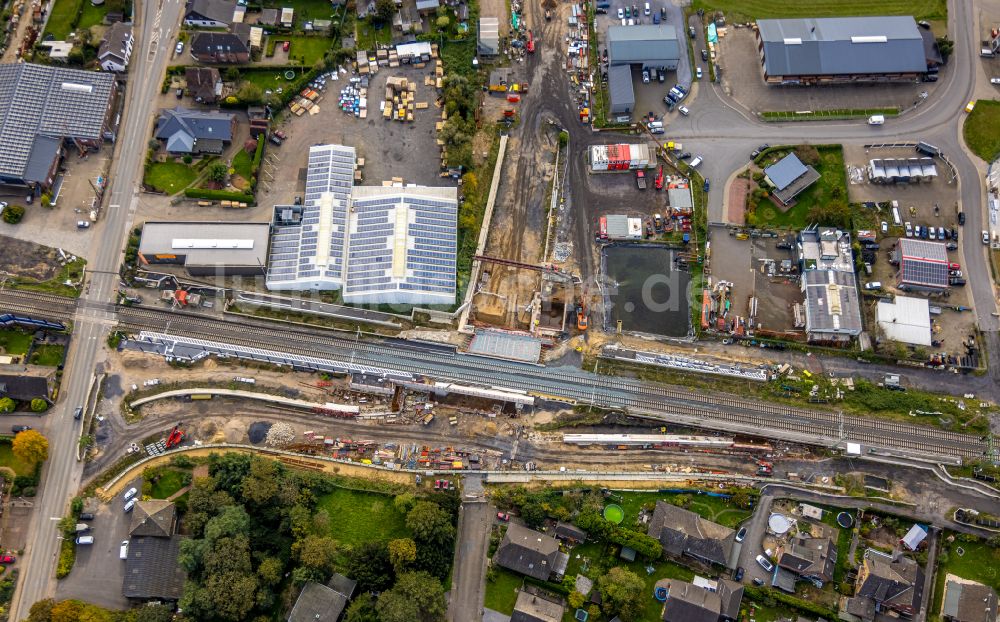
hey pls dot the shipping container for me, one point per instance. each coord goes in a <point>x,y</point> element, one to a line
<point>619,157</point>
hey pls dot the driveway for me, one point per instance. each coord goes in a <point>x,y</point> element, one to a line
<point>751,543</point>
<point>98,572</point>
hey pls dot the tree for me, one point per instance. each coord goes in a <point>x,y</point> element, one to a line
<point>442,22</point>
<point>945,46</point>
<point>262,483</point>
<point>834,213</point>
<point>154,613</point>
<point>217,172</point>
<point>7,405</point>
<point>317,553</point>
<point>13,214</point>
<point>416,597</point>
<point>362,609</point>
<point>39,405</point>
<point>384,10</point>
<point>31,447</point>
<point>204,501</point>
<point>533,514</point>
<point>369,565</point>
<point>576,599</point>
<point>622,593</point>
<point>430,524</point>
<point>402,553</point>
<point>249,93</point>
<point>403,502</point>
<point>741,498</point>
<point>270,571</point>
<point>807,154</point>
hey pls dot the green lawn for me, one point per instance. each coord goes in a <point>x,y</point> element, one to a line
<point>351,515</point>
<point>72,272</point>
<point>48,354</point>
<point>306,10</point>
<point>267,78</point>
<point>243,164</point>
<point>367,36</point>
<point>169,177</point>
<point>61,18</point>
<point>170,482</point>
<point>982,129</point>
<point>8,459</point>
<point>979,562</point>
<point>92,15</point>
<point>501,592</point>
<point>15,341</point>
<point>833,180</point>
<point>744,10</point>
<point>711,508</point>
<point>305,50</point>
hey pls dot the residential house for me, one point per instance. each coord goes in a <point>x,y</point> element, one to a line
<point>43,108</point>
<point>968,601</point>
<point>323,603</point>
<point>116,47</point>
<point>152,571</point>
<point>209,13</point>
<point>789,177</point>
<point>886,584</point>
<point>534,605</point>
<point>530,553</point>
<point>204,84</point>
<point>194,131</point>
<point>687,602</point>
<point>22,388</point>
<point>683,533</point>
<point>813,559</point>
<point>426,7</point>
<point>227,48</point>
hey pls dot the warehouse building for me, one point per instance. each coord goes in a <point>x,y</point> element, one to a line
<point>841,50</point>
<point>620,90</point>
<point>378,244</point>
<point>906,320</point>
<point>832,308</point>
<point>923,265</point>
<point>488,43</point>
<point>46,109</point>
<point>650,46</point>
<point>207,248</point>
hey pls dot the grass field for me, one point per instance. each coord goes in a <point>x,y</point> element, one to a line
<point>169,177</point>
<point>979,562</point>
<point>15,341</point>
<point>351,515</point>
<point>827,115</point>
<point>8,459</point>
<point>61,18</point>
<point>71,272</point>
<point>306,50</point>
<point>501,592</point>
<point>982,129</point>
<point>368,36</point>
<point>711,508</point>
<point>306,10</point>
<point>833,176</point>
<point>91,15</point>
<point>170,482</point>
<point>48,354</point>
<point>745,10</point>
<point>243,164</point>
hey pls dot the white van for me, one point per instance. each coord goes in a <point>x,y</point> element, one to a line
<point>130,505</point>
<point>85,540</point>
<point>876,119</point>
<point>695,162</point>
<point>646,9</point>
<point>123,551</point>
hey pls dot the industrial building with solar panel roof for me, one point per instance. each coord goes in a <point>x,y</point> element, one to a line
<point>378,244</point>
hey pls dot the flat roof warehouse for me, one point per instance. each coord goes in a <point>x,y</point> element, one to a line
<point>207,248</point>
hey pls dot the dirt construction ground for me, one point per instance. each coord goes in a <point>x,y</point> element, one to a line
<point>743,78</point>
<point>27,259</point>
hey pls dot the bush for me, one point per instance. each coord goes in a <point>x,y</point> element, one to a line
<point>67,557</point>
<point>39,405</point>
<point>219,195</point>
<point>13,214</point>
<point>187,159</point>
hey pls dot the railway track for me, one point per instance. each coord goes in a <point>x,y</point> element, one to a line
<point>710,411</point>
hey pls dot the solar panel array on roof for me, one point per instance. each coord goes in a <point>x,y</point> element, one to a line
<point>380,244</point>
<point>37,100</point>
<point>922,264</point>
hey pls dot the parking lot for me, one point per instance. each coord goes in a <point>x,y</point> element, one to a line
<point>98,572</point>
<point>743,79</point>
<point>389,148</point>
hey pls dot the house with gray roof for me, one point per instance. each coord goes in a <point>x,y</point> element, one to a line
<point>789,177</point>
<point>116,47</point>
<point>155,518</point>
<point>187,131</point>
<point>24,388</point>
<point>207,248</point>
<point>968,601</point>
<point>323,603</point>
<point>222,48</point>
<point>534,605</point>
<point>886,583</point>
<point>209,13</point>
<point>683,533</point>
<point>151,569</point>
<point>530,553</point>
<point>204,84</point>
<point>813,559</point>
<point>687,602</point>
<point>832,306</point>
<point>841,50</point>
<point>43,108</point>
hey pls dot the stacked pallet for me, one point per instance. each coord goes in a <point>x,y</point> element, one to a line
<point>399,99</point>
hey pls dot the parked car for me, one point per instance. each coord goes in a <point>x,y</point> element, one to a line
<point>20,428</point>
<point>704,55</point>
<point>969,107</point>
<point>952,246</point>
<point>646,10</point>
<point>696,161</point>
<point>285,46</point>
<point>954,266</point>
<point>708,184</point>
<point>986,237</point>
<point>683,110</point>
<point>684,156</point>
<point>661,75</point>
<point>86,516</point>
<point>741,534</point>
<point>621,13</point>
<point>758,582</point>
<point>765,563</point>
<point>504,516</point>
<point>994,80</point>
<point>691,32</point>
<point>961,218</point>
<point>78,412</point>
<point>131,492</point>
<point>645,76</point>
<point>697,73</point>
<point>83,224</point>
<point>628,12</point>
<point>130,505</point>
<point>909,229</point>
<point>885,227</point>
<point>123,551</point>
<point>7,559</point>
<point>179,48</point>
<point>756,152</point>
<point>738,575</point>
<point>85,540</point>
<point>956,281</point>
<point>873,285</point>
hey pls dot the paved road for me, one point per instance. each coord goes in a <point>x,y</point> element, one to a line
<point>158,21</point>
<point>473,541</point>
<point>751,547</point>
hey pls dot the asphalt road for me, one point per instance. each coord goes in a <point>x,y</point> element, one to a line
<point>157,23</point>
<point>472,543</point>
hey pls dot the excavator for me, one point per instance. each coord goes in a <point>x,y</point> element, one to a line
<point>582,321</point>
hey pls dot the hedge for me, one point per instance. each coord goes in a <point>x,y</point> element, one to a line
<point>257,156</point>
<point>220,195</point>
<point>760,594</point>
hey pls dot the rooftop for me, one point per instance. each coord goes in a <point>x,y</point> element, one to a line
<point>318,603</point>
<point>968,601</point>
<point>682,532</point>
<point>153,517</point>
<point>42,101</point>
<point>207,243</point>
<point>641,44</point>
<point>528,551</point>
<point>922,263</point>
<point>842,46</point>
<point>151,569</point>
<point>826,249</point>
<point>536,607</point>
<point>831,303</point>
